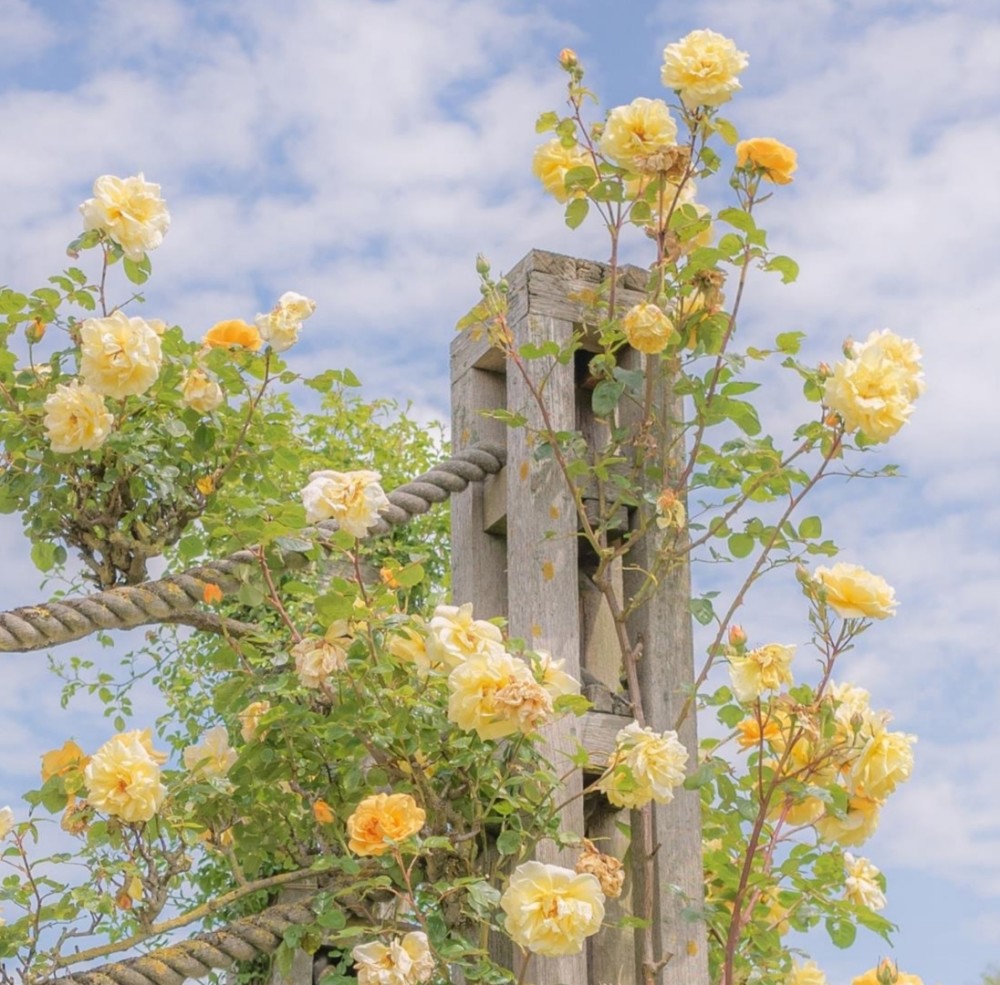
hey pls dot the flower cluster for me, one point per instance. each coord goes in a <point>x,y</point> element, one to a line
<point>874,388</point>
<point>644,766</point>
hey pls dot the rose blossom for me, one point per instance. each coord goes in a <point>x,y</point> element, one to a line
<point>453,635</point>
<point>76,418</point>
<point>404,960</point>
<point>703,67</point>
<point>854,593</point>
<point>201,392</point>
<point>119,356</point>
<point>130,211</point>
<point>213,756</point>
<point>647,328</point>
<point>776,160</point>
<point>636,136</point>
<point>280,326</point>
<point>123,777</point>
<point>644,766</point>
<point>861,885</point>
<point>552,161</point>
<point>380,817</point>
<point>551,910</point>
<point>353,499</point>
<point>763,669</point>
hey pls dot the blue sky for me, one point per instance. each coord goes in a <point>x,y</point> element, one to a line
<point>363,151</point>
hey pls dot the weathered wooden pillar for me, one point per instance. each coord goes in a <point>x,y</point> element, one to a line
<point>515,552</point>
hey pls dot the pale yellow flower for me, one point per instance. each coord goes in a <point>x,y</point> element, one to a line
<point>670,512</point>
<point>404,960</point>
<point>644,766</point>
<point>495,694</point>
<point>119,356</point>
<point>647,328</point>
<point>763,669</point>
<point>353,499</point>
<point>453,635</point>
<point>382,818</point>
<point>856,827</point>
<point>886,970</point>
<point>885,760</point>
<point>280,326</point>
<point>551,163</point>
<point>130,211</point>
<point>553,678</point>
<point>6,821</point>
<point>76,418</point>
<point>638,135</point>
<point>702,67</point>
<point>874,389</point>
<point>213,756</point>
<point>854,593</point>
<point>201,392</point>
<point>250,719</point>
<point>861,885</point>
<point>318,658</point>
<point>123,778</point>
<point>750,733</point>
<point>551,910</point>
<point>233,332</point>
<point>409,644</point>
<point>805,974</point>
<point>776,160</point>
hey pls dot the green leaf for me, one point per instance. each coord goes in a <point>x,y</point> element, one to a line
<point>583,177</point>
<point>547,121</point>
<point>811,527</point>
<point>740,545</point>
<point>702,610</point>
<point>576,212</point>
<point>842,932</point>
<point>738,218</point>
<point>726,131</point>
<point>785,266</point>
<point>605,397</point>
<point>509,842</point>
<point>731,715</point>
<point>44,554</point>
<point>137,271</point>
<point>790,342</point>
<point>11,302</point>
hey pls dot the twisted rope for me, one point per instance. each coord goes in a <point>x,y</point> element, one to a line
<point>35,627</point>
<point>242,940</point>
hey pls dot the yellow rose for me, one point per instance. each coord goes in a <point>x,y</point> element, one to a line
<point>648,329</point>
<point>861,883</point>
<point>59,762</point>
<point>409,644</point>
<point>760,670</point>
<point>776,160</point>
<point>750,733</point>
<point>453,635</point>
<point>885,761</point>
<point>213,756</point>
<point>404,960</point>
<point>873,390</point>
<point>640,136</point>
<point>495,694</point>
<point>76,418</point>
<point>702,67</point>
<point>280,326</point>
<point>234,332</point>
<point>886,970</point>
<point>201,392</point>
<point>6,821</point>
<point>130,211</point>
<point>119,356</point>
<point>317,658</point>
<point>644,766</point>
<point>382,818</point>
<point>553,678</point>
<point>250,719</point>
<point>856,827</point>
<point>805,974</point>
<point>123,778</point>
<point>353,499</point>
<point>551,163</point>
<point>854,593</point>
<point>551,910</point>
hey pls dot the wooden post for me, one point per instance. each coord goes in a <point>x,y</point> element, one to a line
<point>515,553</point>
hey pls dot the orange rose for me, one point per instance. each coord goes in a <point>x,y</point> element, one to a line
<point>322,812</point>
<point>233,332</point>
<point>381,818</point>
<point>59,762</point>
<point>776,160</point>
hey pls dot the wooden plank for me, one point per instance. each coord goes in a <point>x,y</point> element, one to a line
<point>542,561</point>
<point>666,673</point>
